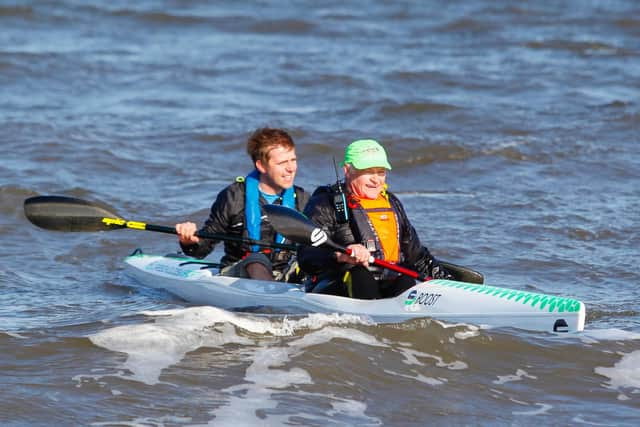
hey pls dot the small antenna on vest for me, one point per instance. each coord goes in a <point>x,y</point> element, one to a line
<point>335,168</point>
<point>339,200</point>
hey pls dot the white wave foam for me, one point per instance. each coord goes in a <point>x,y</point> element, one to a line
<point>613,334</point>
<point>266,376</point>
<point>518,376</point>
<point>145,421</point>
<point>469,332</point>
<point>624,374</point>
<point>171,334</point>
<point>12,334</point>
<point>152,347</point>
<point>418,377</point>
<point>543,408</point>
<point>411,358</point>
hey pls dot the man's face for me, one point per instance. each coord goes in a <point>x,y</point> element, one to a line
<point>365,183</point>
<point>280,170</point>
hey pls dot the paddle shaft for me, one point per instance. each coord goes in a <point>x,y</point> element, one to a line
<point>297,227</point>
<point>65,213</point>
<point>399,269</point>
<point>135,225</point>
<point>381,263</point>
<point>300,229</point>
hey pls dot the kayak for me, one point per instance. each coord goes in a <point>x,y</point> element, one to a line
<point>466,300</point>
<point>445,300</point>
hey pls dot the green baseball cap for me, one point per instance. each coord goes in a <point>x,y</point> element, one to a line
<point>365,154</point>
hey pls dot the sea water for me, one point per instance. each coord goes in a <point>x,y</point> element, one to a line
<point>513,132</point>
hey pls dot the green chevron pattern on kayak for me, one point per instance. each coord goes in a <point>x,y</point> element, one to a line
<point>550,302</point>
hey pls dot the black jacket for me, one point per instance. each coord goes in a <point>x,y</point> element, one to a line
<point>321,210</point>
<point>227,217</point>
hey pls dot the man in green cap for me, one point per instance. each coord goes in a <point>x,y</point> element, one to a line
<point>361,215</point>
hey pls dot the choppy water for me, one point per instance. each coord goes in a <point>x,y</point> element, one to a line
<point>513,130</point>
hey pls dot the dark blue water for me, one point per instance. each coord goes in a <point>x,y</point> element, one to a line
<point>513,132</point>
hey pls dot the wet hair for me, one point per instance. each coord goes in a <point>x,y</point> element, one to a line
<point>263,140</point>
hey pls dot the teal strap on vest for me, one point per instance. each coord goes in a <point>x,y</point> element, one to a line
<point>252,211</point>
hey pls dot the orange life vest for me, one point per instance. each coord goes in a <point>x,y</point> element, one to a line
<point>383,219</point>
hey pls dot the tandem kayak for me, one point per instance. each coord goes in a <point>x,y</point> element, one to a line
<point>195,282</point>
<point>446,300</point>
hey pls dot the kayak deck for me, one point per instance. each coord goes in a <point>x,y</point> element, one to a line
<point>446,300</point>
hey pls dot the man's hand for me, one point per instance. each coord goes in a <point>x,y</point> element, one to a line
<point>187,233</point>
<point>358,255</point>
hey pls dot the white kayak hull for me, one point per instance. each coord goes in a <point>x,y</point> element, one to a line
<point>446,300</point>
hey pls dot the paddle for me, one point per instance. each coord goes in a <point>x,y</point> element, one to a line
<point>62,213</point>
<point>298,228</point>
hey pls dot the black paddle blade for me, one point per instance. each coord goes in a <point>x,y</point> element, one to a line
<point>295,226</point>
<point>63,213</point>
<point>463,274</point>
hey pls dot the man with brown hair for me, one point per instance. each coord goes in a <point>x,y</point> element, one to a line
<point>237,211</point>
